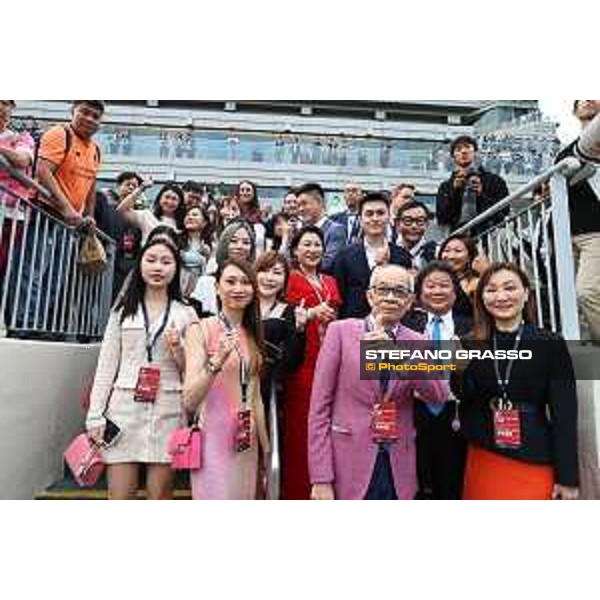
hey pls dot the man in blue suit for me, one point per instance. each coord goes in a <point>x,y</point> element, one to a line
<point>354,264</point>
<point>311,208</point>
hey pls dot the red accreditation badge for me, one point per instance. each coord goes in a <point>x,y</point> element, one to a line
<point>507,429</point>
<point>243,436</point>
<point>384,422</point>
<point>148,383</point>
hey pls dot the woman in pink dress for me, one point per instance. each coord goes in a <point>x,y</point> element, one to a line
<point>223,359</point>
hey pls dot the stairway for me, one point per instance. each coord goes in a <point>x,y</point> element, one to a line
<point>68,489</point>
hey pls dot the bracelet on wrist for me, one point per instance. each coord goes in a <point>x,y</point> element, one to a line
<point>212,368</point>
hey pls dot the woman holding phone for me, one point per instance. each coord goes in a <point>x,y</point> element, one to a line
<point>138,380</point>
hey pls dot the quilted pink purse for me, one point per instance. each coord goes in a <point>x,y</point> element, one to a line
<point>85,460</point>
<point>185,448</point>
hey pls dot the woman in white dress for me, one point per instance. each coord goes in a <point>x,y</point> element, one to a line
<point>138,381</point>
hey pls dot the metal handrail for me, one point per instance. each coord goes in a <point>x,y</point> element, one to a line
<point>43,289</point>
<point>28,182</point>
<point>274,472</point>
<point>566,167</point>
<point>560,281</point>
<point>32,184</point>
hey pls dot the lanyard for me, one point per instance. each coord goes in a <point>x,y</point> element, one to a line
<point>151,341</point>
<point>384,376</point>
<point>317,289</point>
<point>503,383</point>
<point>244,364</point>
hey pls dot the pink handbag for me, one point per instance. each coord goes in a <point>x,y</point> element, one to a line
<point>85,460</point>
<point>185,448</point>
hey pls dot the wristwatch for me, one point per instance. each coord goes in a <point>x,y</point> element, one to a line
<point>211,367</point>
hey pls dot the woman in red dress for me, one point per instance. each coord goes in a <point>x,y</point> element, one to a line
<point>320,296</point>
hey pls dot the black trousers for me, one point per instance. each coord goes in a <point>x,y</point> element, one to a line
<point>441,454</point>
<point>381,486</point>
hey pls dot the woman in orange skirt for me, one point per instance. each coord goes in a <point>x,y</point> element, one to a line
<point>518,415</point>
<point>491,476</point>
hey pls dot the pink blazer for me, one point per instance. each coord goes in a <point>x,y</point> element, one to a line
<point>340,448</point>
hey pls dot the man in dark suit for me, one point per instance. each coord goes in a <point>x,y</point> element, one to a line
<point>350,218</point>
<point>311,208</point>
<point>470,190</point>
<point>354,264</point>
<point>441,448</point>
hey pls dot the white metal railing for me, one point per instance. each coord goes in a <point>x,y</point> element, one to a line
<point>538,238</point>
<point>44,291</point>
<point>274,467</point>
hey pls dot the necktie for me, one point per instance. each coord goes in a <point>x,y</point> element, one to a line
<point>354,228</point>
<point>385,376</point>
<point>436,335</point>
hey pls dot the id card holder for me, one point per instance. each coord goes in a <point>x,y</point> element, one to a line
<point>148,383</point>
<point>507,429</point>
<point>243,435</point>
<point>384,422</point>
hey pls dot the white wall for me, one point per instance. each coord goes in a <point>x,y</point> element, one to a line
<point>41,387</point>
<point>588,393</point>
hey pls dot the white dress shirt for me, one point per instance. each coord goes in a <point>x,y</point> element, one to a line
<point>447,325</point>
<point>371,252</point>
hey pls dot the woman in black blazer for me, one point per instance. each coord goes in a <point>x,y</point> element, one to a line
<point>519,417</point>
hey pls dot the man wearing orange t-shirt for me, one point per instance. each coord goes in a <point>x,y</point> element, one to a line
<point>69,160</point>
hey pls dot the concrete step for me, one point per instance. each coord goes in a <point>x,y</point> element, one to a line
<point>68,489</point>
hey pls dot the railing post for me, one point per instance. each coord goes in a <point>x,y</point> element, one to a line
<point>565,268</point>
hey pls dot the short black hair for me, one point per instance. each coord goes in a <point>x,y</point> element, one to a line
<point>410,205</point>
<point>435,266</point>
<point>97,104</point>
<point>126,176</point>
<point>468,242</point>
<point>373,197</point>
<point>192,186</point>
<point>463,140</point>
<point>311,188</point>
<point>294,243</point>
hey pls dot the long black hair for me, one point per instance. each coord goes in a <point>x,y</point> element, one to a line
<point>179,215</point>
<point>132,298</point>
<point>251,320</point>
<point>206,235</point>
<point>250,212</point>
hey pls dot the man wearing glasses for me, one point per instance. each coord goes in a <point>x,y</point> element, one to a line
<point>361,432</point>
<point>411,227</point>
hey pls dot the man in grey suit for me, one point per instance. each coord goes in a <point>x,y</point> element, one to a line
<point>311,208</point>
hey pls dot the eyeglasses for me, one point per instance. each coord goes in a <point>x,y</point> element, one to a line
<point>408,221</point>
<point>400,292</point>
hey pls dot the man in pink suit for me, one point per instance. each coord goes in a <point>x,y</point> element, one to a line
<point>346,461</point>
